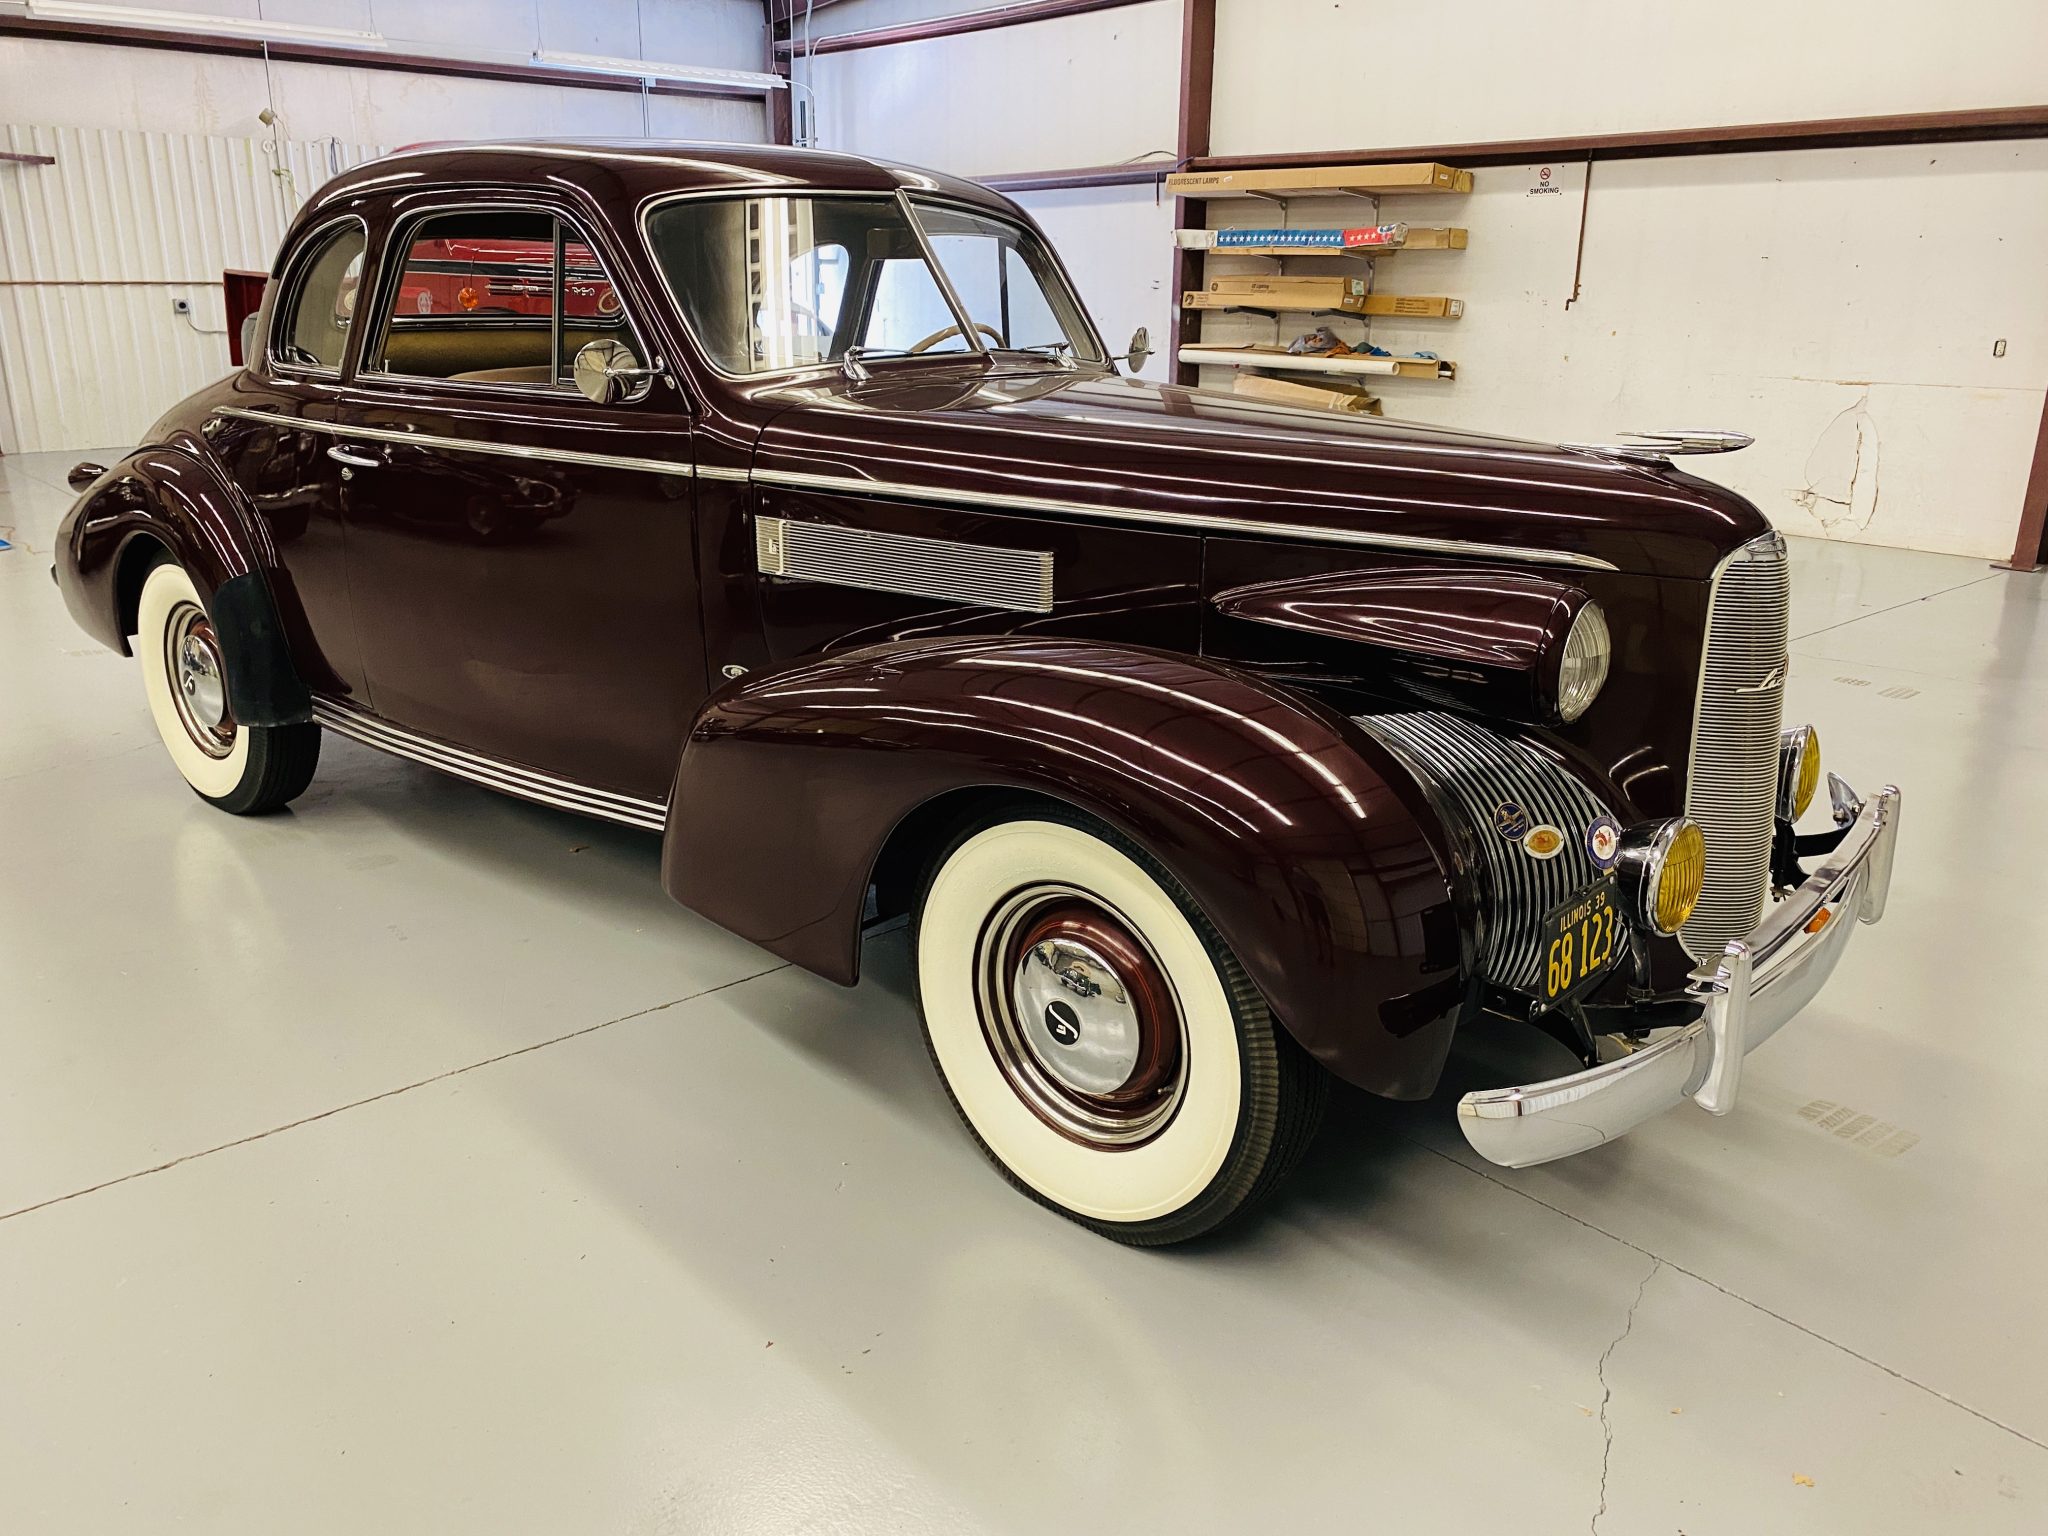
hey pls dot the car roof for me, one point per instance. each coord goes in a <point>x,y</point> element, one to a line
<point>618,174</point>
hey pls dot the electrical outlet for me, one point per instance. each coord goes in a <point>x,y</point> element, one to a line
<point>181,306</point>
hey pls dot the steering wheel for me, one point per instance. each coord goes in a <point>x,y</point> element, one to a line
<point>936,337</point>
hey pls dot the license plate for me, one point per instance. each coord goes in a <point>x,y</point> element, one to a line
<point>1580,940</point>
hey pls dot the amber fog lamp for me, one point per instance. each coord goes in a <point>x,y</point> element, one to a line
<point>1582,672</point>
<point>1660,869</point>
<point>1798,771</point>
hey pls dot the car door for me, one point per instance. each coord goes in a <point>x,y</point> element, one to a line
<point>278,456</point>
<point>521,557</point>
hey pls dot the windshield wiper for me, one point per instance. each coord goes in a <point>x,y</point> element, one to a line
<point>851,361</point>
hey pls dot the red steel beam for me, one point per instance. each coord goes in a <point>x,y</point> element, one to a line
<point>2030,547</point>
<point>1976,123</point>
<point>353,58</point>
<point>1979,124</point>
<point>1197,95</point>
<point>953,26</point>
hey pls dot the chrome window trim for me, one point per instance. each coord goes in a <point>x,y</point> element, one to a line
<point>372,730</point>
<point>652,204</point>
<point>961,318</point>
<point>1102,358</point>
<point>398,240</point>
<point>294,275</point>
<point>1187,522</point>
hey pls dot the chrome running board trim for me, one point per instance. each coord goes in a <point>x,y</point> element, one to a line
<point>493,773</point>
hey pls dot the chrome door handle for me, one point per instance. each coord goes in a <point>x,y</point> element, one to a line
<point>354,456</point>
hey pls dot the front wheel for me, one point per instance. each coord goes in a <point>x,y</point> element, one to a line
<point>243,769</point>
<point>1099,1038</point>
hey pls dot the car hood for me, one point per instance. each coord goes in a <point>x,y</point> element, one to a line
<point>1089,444</point>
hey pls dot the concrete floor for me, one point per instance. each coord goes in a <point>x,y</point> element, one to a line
<point>409,1163</point>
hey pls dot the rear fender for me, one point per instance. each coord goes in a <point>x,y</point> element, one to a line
<point>159,499</point>
<point>1304,841</point>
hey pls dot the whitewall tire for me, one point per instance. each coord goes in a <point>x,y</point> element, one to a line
<point>1098,1037</point>
<point>242,769</point>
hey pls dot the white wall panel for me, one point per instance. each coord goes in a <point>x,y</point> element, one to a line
<point>1114,243</point>
<point>93,251</point>
<point>1342,74</point>
<point>1079,90</point>
<point>1841,305</point>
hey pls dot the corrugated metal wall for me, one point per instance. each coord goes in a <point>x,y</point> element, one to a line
<point>94,249</point>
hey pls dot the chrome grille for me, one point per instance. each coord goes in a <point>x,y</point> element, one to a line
<point>1731,783</point>
<point>1472,771</point>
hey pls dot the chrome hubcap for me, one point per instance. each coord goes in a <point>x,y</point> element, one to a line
<point>1080,1017</point>
<point>1077,1016</point>
<point>199,680</point>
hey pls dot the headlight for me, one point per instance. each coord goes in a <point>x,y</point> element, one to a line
<point>1660,869</point>
<point>1798,771</point>
<point>1583,670</point>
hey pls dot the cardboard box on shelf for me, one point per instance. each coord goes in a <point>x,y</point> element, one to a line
<point>1308,180</point>
<point>1308,289</point>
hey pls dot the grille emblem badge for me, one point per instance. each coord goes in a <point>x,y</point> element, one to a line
<point>1544,842</point>
<point>1511,821</point>
<point>1603,843</point>
<point>1771,679</point>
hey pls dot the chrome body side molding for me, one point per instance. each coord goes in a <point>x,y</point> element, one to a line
<point>477,445</point>
<point>509,778</point>
<point>1191,522</point>
<point>986,575</point>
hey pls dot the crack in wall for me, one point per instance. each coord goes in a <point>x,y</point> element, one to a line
<point>1607,1392</point>
<point>1852,431</point>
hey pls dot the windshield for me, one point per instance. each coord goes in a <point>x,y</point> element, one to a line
<point>775,283</point>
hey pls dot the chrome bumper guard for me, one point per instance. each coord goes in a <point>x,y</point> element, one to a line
<point>1749,990</point>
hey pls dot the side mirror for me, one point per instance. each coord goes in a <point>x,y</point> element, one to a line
<point>1140,348</point>
<point>608,372</point>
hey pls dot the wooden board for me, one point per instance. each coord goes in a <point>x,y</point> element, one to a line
<point>1410,306</point>
<point>1349,398</point>
<point>1352,363</point>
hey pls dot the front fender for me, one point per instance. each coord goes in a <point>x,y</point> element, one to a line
<point>163,496</point>
<point>1302,839</point>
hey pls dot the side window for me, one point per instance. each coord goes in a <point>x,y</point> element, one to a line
<point>313,330</point>
<point>474,299</point>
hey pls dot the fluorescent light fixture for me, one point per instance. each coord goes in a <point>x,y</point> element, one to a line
<point>201,24</point>
<point>646,69</point>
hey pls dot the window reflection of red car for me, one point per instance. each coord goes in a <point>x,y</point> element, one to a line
<point>501,277</point>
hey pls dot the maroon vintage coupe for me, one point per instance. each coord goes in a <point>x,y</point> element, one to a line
<point>788,505</point>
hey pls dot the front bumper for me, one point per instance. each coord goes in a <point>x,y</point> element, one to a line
<point>1748,992</point>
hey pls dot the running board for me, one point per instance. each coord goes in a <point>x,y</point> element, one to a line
<point>508,778</point>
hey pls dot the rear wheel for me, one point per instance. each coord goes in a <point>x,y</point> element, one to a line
<point>242,769</point>
<point>1099,1038</point>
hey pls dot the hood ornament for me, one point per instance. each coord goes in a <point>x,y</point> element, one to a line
<point>1659,447</point>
